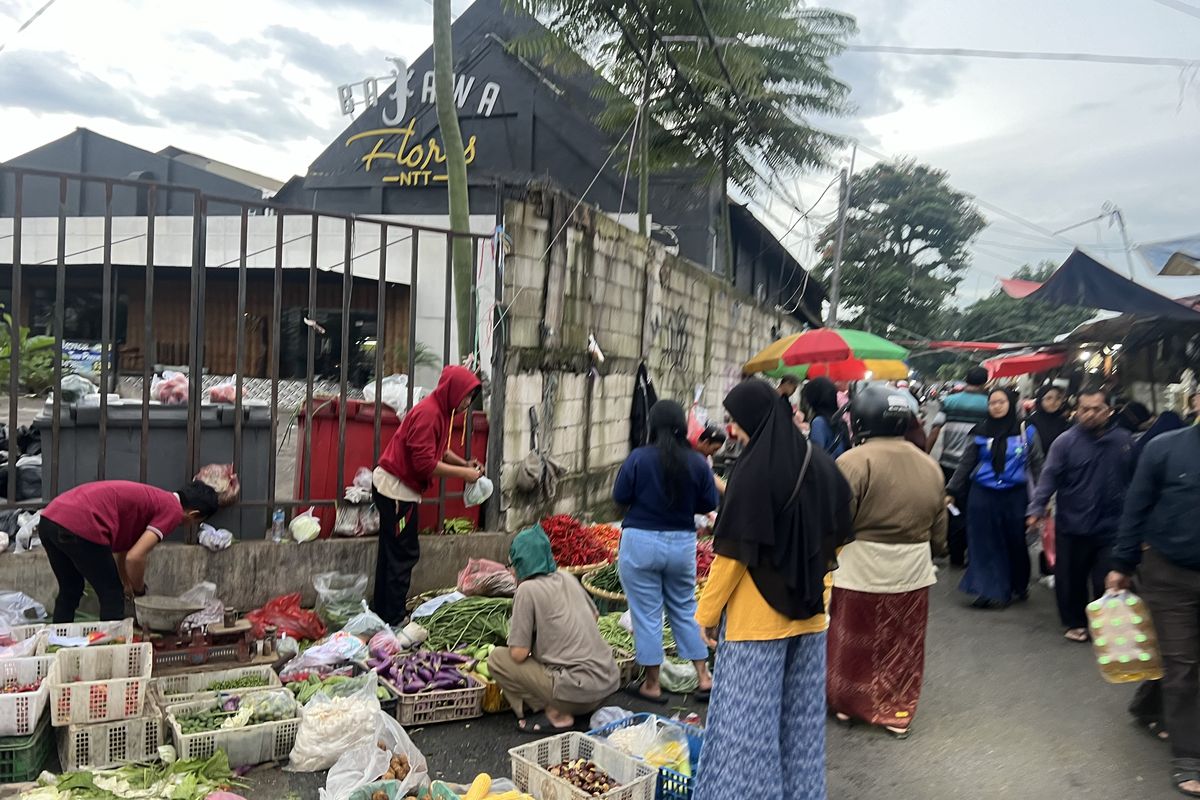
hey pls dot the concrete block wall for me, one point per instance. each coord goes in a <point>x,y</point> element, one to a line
<point>691,328</point>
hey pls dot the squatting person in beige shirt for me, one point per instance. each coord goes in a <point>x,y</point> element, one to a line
<point>880,605</point>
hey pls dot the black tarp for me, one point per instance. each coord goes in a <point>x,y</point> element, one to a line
<point>1083,281</point>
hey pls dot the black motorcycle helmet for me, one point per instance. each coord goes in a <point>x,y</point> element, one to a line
<point>879,411</point>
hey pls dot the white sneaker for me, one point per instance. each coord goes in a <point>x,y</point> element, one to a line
<point>1047,581</point>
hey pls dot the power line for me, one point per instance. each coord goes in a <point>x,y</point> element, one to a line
<point>1183,8</point>
<point>1023,55</point>
<point>27,23</point>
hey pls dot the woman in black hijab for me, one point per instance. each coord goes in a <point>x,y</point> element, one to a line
<point>997,463</point>
<point>827,429</point>
<point>786,514</point>
<point>1049,418</point>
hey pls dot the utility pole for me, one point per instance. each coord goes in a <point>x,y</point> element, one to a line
<point>835,289</point>
<point>643,143</point>
<point>1114,211</point>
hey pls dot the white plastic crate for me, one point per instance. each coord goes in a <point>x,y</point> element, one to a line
<point>20,711</point>
<point>193,686</point>
<point>117,628</point>
<point>248,746</point>
<point>110,744</point>
<point>530,762</point>
<point>99,684</point>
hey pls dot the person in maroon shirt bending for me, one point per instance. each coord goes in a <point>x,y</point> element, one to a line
<point>102,532</point>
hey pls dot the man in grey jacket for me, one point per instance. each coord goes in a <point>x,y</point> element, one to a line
<point>1089,467</point>
<point>1160,532</point>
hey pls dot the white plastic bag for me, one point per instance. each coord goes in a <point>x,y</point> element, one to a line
<point>679,678</point>
<point>18,608</point>
<point>340,596</point>
<point>75,387</point>
<point>171,388</point>
<point>201,594</point>
<point>214,539</point>
<point>27,532</point>
<point>337,649</point>
<point>331,726</point>
<point>367,763</point>
<point>25,647</point>
<point>363,479</point>
<point>305,527</point>
<point>224,392</point>
<point>393,392</point>
<point>479,491</point>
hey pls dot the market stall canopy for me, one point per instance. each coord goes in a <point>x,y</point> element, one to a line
<point>825,345</point>
<point>1176,257</point>
<point>1024,363</point>
<point>1082,281</point>
<point>955,345</point>
<point>850,369</point>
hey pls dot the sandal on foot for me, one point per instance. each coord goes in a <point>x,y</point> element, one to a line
<point>1180,777</point>
<point>540,725</point>
<point>844,720</point>
<point>1076,635</point>
<point>897,733</point>
<point>635,691</point>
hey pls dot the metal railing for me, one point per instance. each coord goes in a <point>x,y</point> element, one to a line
<point>384,234</point>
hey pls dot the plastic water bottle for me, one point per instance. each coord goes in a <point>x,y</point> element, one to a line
<point>277,530</point>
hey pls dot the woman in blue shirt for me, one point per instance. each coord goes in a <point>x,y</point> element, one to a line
<point>998,462</point>
<point>827,430</point>
<point>663,485</point>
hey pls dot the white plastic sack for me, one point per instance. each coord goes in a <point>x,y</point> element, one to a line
<point>201,594</point>
<point>427,608</point>
<point>27,532</point>
<point>479,491</point>
<point>607,716</point>
<point>366,763</point>
<point>679,678</point>
<point>75,387</point>
<point>18,608</point>
<point>331,726</point>
<point>305,527</point>
<point>393,392</point>
<point>337,649</point>
<point>215,539</point>
<point>24,648</point>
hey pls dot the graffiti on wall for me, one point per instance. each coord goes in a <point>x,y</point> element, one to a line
<point>676,341</point>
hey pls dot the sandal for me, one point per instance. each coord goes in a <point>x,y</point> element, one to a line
<point>635,691</point>
<point>1076,635</point>
<point>1156,729</point>
<point>897,733</point>
<point>1181,776</point>
<point>540,725</point>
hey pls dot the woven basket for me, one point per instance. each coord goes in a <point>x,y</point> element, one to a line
<point>601,594</point>
<point>585,569</point>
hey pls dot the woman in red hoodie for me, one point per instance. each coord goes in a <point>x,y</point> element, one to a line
<point>417,454</point>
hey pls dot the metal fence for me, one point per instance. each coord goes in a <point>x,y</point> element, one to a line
<point>20,185</point>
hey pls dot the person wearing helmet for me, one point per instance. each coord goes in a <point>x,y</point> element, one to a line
<point>880,604</point>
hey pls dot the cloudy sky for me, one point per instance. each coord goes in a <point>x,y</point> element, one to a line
<point>253,83</point>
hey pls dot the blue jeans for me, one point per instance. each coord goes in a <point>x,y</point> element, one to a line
<point>658,569</point>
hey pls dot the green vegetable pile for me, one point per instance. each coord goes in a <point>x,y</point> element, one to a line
<point>238,712</point>
<point>244,682</point>
<point>607,579</point>
<point>469,623</point>
<point>620,639</point>
<point>210,719</point>
<point>183,780</point>
<point>333,685</point>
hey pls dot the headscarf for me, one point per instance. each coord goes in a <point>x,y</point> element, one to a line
<point>821,396</point>
<point>1049,426</point>
<point>530,554</point>
<point>998,430</point>
<point>787,538</point>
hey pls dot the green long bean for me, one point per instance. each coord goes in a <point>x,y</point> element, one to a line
<point>471,622</point>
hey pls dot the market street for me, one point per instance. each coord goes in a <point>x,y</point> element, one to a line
<point>1009,710</point>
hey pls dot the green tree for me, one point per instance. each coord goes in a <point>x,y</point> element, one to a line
<point>728,83</point>
<point>456,171</point>
<point>907,232</point>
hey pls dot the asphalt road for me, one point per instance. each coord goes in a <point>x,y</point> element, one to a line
<point>1009,710</point>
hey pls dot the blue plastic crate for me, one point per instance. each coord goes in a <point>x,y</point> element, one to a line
<point>672,785</point>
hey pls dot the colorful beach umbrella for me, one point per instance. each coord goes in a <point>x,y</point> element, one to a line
<point>851,369</point>
<point>848,348</point>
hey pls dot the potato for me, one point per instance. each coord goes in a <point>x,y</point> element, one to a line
<point>379,794</point>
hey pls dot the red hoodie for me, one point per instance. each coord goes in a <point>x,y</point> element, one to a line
<point>423,437</point>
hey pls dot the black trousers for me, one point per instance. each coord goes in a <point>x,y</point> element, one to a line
<point>75,560</point>
<point>399,552</point>
<point>1173,595</point>
<point>956,527</point>
<point>1080,564</point>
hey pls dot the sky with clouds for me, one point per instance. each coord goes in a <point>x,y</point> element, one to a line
<point>253,83</point>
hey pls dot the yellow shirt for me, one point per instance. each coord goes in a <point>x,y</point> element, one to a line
<point>748,617</point>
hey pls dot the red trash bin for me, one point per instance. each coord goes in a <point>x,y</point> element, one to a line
<point>360,452</point>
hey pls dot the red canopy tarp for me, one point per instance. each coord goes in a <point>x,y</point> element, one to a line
<point>1024,363</point>
<point>954,345</point>
<point>1018,288</point>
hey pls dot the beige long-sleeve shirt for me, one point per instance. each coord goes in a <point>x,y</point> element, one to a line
<point>897,503</point>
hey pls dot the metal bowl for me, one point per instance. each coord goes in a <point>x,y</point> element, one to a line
<point>162,613</point>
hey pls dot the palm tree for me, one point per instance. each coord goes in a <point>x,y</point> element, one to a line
<point>730,83</point>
